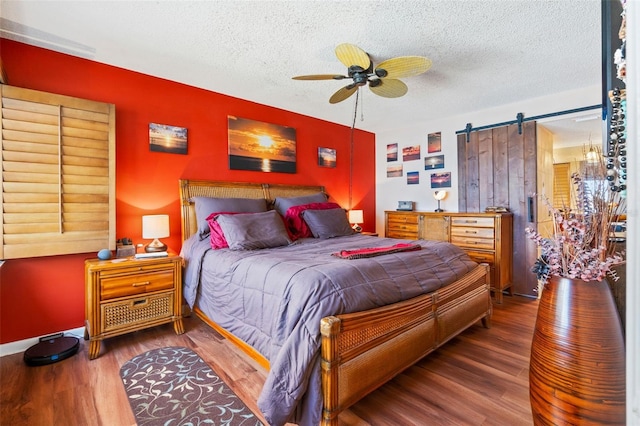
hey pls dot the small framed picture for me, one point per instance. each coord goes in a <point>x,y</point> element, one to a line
<point>164,138</point>
<point>411,153</point>
<point>434,162</point>
<point>392,152</point>
<point>434,142</point>
<point>394,171</point>
<point>441,180</point>
<point>326,157</point>
<point>413,178</point>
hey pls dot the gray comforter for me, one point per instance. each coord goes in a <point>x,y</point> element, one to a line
<point>273,299</point>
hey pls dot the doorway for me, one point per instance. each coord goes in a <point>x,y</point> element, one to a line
<point>512,165</point>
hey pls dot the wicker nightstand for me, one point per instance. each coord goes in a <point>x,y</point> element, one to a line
<point>125,295</point>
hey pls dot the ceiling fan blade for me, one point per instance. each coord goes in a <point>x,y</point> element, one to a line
<point>350,54</point>
<point>389,88</point>
<point>320,77</point>
<point>343,94</point>
<point>403,66</point>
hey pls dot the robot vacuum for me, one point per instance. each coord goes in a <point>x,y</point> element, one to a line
<point>51,349</point>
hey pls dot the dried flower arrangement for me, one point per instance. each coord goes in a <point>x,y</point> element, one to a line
<point>580,245</point>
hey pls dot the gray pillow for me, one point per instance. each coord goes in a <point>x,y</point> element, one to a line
<point>207,205</point>
<point>253,230</point>
<point>283,204</point>
<point>327,223</point>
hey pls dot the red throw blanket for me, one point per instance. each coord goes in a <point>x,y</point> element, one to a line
<point>376,251</point>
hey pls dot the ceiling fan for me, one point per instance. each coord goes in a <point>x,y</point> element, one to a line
<point>383,79</point>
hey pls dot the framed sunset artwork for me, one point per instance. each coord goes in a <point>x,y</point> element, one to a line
<point>165,138</point>
<point>434,142</point>
<point>258,146</point>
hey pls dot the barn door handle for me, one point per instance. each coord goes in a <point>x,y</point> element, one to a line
<point>530,214</point>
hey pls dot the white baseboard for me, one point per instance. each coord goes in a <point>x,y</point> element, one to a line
<point>22,345</point>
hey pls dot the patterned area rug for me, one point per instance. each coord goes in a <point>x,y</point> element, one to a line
<point>174,386</point>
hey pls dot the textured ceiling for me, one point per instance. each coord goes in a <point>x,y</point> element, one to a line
<point>484,53</point>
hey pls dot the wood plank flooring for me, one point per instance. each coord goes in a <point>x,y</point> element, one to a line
<point>478,378</point>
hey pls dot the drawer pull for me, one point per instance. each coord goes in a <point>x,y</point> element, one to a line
<point>142,284</point>
<point>471,232</point>
<point>140,302</point>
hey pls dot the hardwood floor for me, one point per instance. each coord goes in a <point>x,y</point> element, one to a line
<point>478,378</point>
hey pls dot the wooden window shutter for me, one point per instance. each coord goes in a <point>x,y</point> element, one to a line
<point>58,174</point>
<point>561,186</point>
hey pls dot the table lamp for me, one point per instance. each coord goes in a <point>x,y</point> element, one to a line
<point>439,195</point>
<point>355,218</point>
<point>155,226</point>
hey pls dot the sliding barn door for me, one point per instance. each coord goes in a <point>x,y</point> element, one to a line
<point>498,167</point>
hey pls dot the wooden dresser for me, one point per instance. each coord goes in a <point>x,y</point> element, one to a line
<point>125,295</point>
<point>486,237</point>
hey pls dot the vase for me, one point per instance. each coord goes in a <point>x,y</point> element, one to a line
<point>577,364</point>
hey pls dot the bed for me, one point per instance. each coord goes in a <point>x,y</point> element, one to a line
<point>327,335</point>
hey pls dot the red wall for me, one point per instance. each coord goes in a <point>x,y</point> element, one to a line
<point>44,295</point>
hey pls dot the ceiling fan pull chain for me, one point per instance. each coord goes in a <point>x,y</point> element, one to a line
<point>355,108</point>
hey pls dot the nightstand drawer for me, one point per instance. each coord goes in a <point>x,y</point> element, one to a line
<point>132,284</point>
<point>481,256</point>
<point>136,311</point>
<point>467,231</point>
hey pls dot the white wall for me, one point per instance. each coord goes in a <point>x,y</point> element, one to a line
<point>390,190</point>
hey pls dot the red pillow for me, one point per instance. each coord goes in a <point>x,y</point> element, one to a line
<point>217,238</point>
<point>296,226</point>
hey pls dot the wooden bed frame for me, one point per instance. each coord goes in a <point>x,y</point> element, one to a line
<point>362,350</point>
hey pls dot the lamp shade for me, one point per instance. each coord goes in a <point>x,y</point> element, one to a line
<point>356,216</point>
<point>440,195</point>
<point>155,226</point>
<point>592,156</point>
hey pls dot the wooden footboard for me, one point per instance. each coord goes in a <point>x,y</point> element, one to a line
<point>363,350</point>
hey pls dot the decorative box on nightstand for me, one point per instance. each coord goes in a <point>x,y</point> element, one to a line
<point>125,295</point>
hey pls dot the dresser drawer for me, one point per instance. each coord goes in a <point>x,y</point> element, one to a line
<point>135,311</point>
<point>482,256</point>
<point>114,286</point>
<point>402,218</point>
<point>471,242</point>
<point>403,235</point>
<point>403,227</point>
<point>483,222</point>
<point>467,231</point>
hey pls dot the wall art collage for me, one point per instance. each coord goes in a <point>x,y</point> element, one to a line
<point>433,162</point>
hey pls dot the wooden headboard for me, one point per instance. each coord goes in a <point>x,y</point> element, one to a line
<point>206,188</point>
